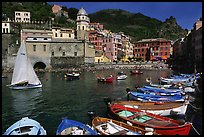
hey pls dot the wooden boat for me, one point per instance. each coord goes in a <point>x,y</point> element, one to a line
<point>135,72</point>
<point>26,126</point>
<point>106,126</point>
<point>158,108</point>
<point>72,127</point>
<point>107,79</point>
<point>161,91</point>
<point>161,125</point>
<point>24,76</point>
<point>155,98</point>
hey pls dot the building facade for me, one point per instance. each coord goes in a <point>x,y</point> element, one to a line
<point>197,43</point>
<point>21,16</point>
<point>152,49</point>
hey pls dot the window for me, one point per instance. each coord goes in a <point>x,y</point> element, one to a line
<point>165,53</point>
<point>75,53</point>
<point>166,48</point>
<point>45,38</point>
<point>142,50</point>
<point>34,47</point>
<point>5,24</point>
<point>157,48</point>
<point>69,35</point>
<point>34,38</point>
<point>161,48</point>
<point>63,53</point>
<point>60,35</point>
<point>82,27</point>
<point>60,48</point>
<point>55,34</point>
<point>52,53</point>
<point>44,47</point>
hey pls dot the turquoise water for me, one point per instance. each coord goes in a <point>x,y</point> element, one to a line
<point>60,98</point>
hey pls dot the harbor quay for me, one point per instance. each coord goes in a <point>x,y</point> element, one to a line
<point>101,66</point>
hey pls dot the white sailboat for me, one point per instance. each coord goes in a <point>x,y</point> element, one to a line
<point>24,75</point>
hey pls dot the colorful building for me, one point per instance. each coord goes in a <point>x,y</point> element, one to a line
<point>152,49</point>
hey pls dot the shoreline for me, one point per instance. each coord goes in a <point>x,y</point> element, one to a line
<point>94,67</point>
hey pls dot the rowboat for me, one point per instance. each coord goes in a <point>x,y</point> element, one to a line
<point>107,79</point>
<point>158,108</point>
<point>135,72</point>
<point>26,126</point>
<point>155,98</point>
<point>161,125</point>
<point>161,91</point>
<point>186,89</point>
<point>106,126</point>
<point>72,127</point>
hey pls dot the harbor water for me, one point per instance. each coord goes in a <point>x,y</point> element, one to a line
<point>60,98</point>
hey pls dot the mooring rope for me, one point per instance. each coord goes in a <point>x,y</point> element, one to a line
<point>195,129</point>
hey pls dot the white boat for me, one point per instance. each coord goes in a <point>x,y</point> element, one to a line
<point>26,126</point>
<point>121,76</point>
<point>24,75</point>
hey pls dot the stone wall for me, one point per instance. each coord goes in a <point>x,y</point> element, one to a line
<point>66,62</point>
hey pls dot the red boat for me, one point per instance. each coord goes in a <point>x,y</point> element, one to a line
<point>103,79</point>
<point>136,72</point>
<point>161,125</point>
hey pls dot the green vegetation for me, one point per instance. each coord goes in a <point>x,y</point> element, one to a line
<point>137,26</point>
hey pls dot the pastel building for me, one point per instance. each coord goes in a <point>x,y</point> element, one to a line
<point>22,16</point>
<point>155,49</point>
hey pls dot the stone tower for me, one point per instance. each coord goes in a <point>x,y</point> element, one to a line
<point>82,24</point>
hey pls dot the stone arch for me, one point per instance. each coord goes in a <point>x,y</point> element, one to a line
<point>39,65</point>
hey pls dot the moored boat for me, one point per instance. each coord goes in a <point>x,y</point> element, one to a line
<point>72,127</point>
<point>158,108</point>
<point>72,75</point>
<point>105,79</point>
<point>161,125</point>
<point>121,76</point>
<point>26,126</point>
<point>135,72</point>
<point>106,126</point>
<point>155,98</point>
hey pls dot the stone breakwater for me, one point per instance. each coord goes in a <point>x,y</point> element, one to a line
<point>102,66</point>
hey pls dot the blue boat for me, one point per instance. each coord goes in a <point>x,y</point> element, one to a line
<point>162,91</point>
<point>154,98</point>
<point>72,127</point>
<point>26,126</point>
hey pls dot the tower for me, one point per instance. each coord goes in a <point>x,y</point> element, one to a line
<point>82,24</point>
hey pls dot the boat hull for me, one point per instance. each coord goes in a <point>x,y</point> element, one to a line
<point>72,127</point>
<point>107,80</point>
<point>106,126</point>
<point>32,126</point>
<point>162,109</point>
<point>29,86</point>
<point>161,125</point>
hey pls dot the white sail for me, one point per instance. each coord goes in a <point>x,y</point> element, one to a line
<point>23,70</point>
